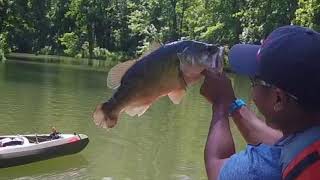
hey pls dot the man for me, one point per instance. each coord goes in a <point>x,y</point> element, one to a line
<point>54,133</point>
<point>285,74</point>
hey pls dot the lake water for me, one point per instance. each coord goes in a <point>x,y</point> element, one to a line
<point>166,143</point>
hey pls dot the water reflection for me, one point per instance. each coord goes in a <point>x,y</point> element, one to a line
<point>60,168</point>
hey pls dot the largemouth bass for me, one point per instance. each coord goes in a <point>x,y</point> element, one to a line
<point>167,71</point>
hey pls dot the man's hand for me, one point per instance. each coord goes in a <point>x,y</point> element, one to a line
<point>217,88</point>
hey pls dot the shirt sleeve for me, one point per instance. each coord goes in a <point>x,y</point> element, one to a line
<point>255,162</point>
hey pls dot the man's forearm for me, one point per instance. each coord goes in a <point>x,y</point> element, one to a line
<point>253,129</point>
<point>219,144</point>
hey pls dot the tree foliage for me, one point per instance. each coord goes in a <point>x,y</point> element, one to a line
<point>108,28</point>
<point>308,14</point>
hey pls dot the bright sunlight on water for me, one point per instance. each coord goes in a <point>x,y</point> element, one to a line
<point>166,143</point>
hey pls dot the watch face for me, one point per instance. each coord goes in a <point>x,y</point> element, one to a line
<point>237,104</point>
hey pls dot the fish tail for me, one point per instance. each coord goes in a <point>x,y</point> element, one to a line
<point>104,115</point>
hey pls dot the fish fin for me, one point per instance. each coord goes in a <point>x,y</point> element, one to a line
<point>176,96</point>
<point>132,111</point>
<point>116,73</point>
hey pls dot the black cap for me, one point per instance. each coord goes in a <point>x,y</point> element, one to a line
<point>289,59</point>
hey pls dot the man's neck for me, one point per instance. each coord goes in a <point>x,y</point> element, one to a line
<point>301,124</point>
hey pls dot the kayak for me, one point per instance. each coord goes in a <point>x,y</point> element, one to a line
<point>22,149</point>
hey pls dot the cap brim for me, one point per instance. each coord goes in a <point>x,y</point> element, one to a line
<point>243,59</point>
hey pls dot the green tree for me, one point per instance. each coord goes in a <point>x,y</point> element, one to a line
<point>308,14</point>
<point>258,17</point>
<point>117,28</point>
<point>59,23</point>
<point>71,43</point>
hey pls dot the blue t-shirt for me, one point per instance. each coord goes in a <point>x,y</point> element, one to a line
<point>255,162</point>
<point>267,161</point>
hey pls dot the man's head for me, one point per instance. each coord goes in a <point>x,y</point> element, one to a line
<point>286,67</point>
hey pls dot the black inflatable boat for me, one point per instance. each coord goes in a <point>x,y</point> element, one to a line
<point>22,149</point>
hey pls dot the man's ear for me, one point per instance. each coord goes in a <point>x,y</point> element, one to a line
<point>281,99</point>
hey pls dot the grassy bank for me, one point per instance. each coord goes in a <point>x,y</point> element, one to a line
<point>99,64</point>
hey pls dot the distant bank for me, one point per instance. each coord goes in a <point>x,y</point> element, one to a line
<point>98,64</point>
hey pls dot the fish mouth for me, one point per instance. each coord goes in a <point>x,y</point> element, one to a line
<point>217,60</point>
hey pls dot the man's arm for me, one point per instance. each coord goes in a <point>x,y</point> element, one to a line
<point>220,145</point>
<point>253,129</point>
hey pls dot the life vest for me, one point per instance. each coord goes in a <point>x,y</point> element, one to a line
<point>301,156</point>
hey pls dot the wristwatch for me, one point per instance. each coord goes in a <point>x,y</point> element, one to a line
<point>235,105</point>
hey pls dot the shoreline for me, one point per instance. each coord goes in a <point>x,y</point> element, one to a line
<point>94,63</point>
<point>101,65</point>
